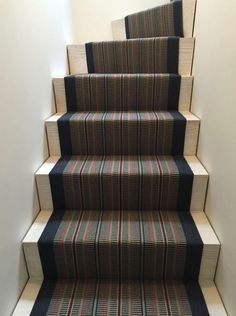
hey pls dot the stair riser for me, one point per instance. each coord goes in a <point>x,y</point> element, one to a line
<point>183,104</point>
<point>112,138</point>
<point>78,60</point>
<point>188,12</point>
<point>119,259</point>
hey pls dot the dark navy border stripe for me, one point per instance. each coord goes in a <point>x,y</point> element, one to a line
<point>45,245</point>
<point>185,184</point>
<point>63,125</point>
<point>194,247</point>
<point>178,18</point>
<point>127,27</point>
<point>70,93</point>
<point>43,299</point>
<point>173,54</point>
<point>89,56</point>
<point>56,183</point>
<point>178,136</point>
<point>173,92</point>
<point>196,299</point>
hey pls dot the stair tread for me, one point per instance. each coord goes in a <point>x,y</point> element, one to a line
<point>162,20</point>
<point>113,298</point>
<point>148,91</point>
<point>187,114</point>
<point>134,238</point>
<point>199,218</point>
<point>126,164</point>
<point>133,56</point>
<point>108,56</point>
<point>132,40</point>
<point>73,218</point>
<point>129,133</point>
<point>122,182</point>
<point>174,18</point>
<point>192,161</point>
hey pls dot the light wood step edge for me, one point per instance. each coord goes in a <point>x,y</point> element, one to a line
<point>189,7</point>
<point>78,60</point>
<point>211,245</point>
<point>184,96</point>
<point>190,144</point>
<point>200,181</point>
<point>28,298</point>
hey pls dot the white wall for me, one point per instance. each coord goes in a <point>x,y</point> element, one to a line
<point>33,35</point>
<point>214,101</point>
<point>92,18</point>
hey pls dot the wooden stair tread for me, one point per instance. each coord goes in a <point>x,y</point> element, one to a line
<point>199,187</point>
<point>27,300</point>
<point>188,13</point>
<point>114,119</point>
<point>184,93</point>
<point>78,60</point>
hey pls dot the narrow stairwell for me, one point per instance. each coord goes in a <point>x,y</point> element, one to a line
<point>122,228</point>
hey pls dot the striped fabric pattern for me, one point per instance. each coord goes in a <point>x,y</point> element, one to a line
<point>165,20</point>
<point>121,240</point>
<point>121,245</point>
<point>126,133</point>
<point>122,183</point>
<point>122,92</point>
<point>110,298</point>
<point>150,55</point>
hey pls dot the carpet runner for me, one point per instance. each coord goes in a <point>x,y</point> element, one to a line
<point>122,92</point>
<point>149,55</point>
<point>126,133</point>
<point>122,238</point>
<point>70,297</point>
<point>122,182</point>
<point>121,245</point>
<point>165,20</point>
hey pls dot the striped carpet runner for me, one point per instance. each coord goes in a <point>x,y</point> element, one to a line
<point>150,55</point>
<point>122,182</point>
<point>122,92</point>
<point>165,20</point>
<point>70,297</point>
<point>122,245</point>
<point>129,133</point>
<point>122,238</point>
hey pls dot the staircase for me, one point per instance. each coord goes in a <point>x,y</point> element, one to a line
<point>122,228</point>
